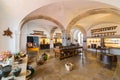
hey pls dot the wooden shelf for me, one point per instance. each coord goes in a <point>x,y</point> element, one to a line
<point>112,42</point>
<point>106,31</point>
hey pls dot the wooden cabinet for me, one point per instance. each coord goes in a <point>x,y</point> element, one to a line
<point>32,41</point>
<point>109,42</point>
<point>93,42</point>
<point>44,43</point>
<point>44,46</point>
<point>32,44</point>
<point>112,42</point>
<point>106,31</point>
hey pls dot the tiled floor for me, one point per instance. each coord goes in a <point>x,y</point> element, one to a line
<point>86,67</point>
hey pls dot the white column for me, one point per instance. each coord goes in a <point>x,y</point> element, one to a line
<point>51,43</point>
<point>81,39</point>
<point>68,40</point>
<point>72,38</point>
<point>84,42</point>
<point>64,39</point>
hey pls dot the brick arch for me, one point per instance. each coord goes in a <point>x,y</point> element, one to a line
<point>91,12</point>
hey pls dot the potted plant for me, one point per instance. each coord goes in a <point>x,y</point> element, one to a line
<point>44,56</point>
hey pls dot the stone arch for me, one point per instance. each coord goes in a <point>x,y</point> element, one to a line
<point>77,28</point>
<point>29,18</point>
<point>75,34</point>
<point>52,31</point>
<point>91,12</point>
<point>81,29</point>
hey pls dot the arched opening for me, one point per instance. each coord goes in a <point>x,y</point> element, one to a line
<point>40,24</point>
<point>80,39</point>
<point>89,13</point>
<point>77,37</point>
<point>57,37</point>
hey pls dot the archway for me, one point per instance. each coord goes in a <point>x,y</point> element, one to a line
<point>91,12</point>
<point>78,34</point>
<point>27,19</point>
<point>77,37</point>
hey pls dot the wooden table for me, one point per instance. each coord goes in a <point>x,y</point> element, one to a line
<point>22,75</point>
<point>108,58</point>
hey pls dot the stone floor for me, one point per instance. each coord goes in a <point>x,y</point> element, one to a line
<point>86,67</point>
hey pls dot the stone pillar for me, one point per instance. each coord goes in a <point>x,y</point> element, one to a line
<point>68,39</point>
<point>72,38</point>
<point>81,39</point>
<point>64,39</point>
<point>84,42</point>
<point>102,42</point>
<point>51,41</point>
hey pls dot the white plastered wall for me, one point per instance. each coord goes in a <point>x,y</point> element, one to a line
<point>13,11</point>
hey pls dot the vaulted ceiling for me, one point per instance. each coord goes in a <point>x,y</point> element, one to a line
<point>61,13</point>
<point>67,14</point>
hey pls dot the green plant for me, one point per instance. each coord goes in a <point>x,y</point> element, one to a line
<point>44,56</point>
